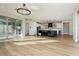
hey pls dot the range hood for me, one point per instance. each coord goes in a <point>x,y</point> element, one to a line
<point>49,25</point>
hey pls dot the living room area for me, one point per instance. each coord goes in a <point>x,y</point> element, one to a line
<point>55,24</point>
<point>39,29</point>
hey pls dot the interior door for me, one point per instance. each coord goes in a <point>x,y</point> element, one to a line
<point>66,28</point>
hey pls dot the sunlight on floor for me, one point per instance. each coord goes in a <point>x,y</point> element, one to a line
<point>35,42</point>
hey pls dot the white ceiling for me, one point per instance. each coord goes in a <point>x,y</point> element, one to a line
<point>41,11</point>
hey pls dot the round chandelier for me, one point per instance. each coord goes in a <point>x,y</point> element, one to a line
<point>23,10</point>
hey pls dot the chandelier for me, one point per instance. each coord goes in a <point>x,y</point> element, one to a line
<point>23,10</point>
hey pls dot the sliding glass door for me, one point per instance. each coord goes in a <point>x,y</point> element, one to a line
<point>14,28</point>
<point>18,27</point>
<point>9,27</point>
<point>3,28</point>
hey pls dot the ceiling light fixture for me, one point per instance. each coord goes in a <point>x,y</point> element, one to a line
<point>23,10</point>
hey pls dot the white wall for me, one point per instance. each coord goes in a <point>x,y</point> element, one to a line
<point>32,28</point>
<point>59,25</point>
<point>71,28</point>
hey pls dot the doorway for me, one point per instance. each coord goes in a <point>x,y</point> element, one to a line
<point>66,28</point>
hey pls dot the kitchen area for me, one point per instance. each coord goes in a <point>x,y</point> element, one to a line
<point>51,29</point>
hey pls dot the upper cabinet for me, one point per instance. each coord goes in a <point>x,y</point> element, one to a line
<point>55,25</point>
<point>59,25</point>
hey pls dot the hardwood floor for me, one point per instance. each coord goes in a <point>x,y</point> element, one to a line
<point>66,47</point>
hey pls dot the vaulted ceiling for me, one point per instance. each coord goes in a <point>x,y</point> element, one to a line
<point>41,11</point>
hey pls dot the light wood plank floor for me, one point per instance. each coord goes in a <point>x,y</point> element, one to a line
<point>66,47</point>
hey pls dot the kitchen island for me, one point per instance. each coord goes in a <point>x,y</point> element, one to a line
<point>49,32</point>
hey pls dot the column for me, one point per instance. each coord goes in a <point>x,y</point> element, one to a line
<point>76,27</point>
<point>23,29</point>
<point>62,28</point>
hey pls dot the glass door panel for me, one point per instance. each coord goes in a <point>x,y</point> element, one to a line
<point>18,27</point>
<point>3,28</point>
<point>11,28</point>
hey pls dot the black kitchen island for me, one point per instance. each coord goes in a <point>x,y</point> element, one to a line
<point>47,32</point>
